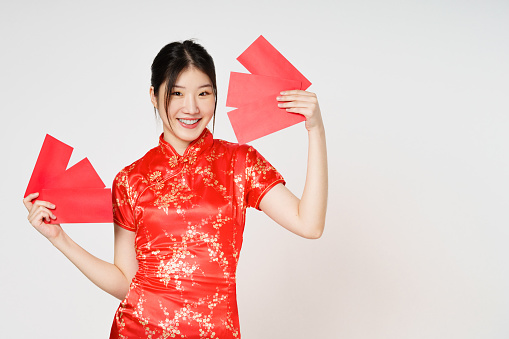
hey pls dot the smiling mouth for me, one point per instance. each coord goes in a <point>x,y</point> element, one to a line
<point>188,121</point>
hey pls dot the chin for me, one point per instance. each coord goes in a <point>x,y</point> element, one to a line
<point>190,134</point>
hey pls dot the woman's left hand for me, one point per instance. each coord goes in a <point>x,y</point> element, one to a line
<point>304,216</point>
<point>302,102</point>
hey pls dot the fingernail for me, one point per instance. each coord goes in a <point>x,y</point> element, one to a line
<point>283,93</point>
<point>280,105</point>
<point>51,206</point>
<point>279,98</point>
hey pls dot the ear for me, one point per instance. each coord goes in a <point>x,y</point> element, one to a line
<point>153,97</point>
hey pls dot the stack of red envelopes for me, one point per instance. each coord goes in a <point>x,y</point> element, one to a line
<point>78,193</point>
<point>254,95</point>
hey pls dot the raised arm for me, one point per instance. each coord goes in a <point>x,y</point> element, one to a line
<point>304,216</point>
<point>112,278</point>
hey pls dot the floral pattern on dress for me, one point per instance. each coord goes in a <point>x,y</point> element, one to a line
<point>188,212</point>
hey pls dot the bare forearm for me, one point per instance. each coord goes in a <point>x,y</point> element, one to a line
<point>313,203</point>
<point>105,275</point>
<point>304,216</point>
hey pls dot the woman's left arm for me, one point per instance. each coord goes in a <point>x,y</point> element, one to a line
<point>304,216</point>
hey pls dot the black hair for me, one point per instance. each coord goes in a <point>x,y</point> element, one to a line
<point>175,58</point>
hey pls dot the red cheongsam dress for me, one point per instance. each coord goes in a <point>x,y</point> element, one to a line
<point>188,213</point>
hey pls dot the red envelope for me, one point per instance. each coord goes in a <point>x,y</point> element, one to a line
<point>245,89</point>
<point>255,94</point>
<point>79,205</point>
<point>264,117</point>
<point>263,59</point>
<point>81,175</point>
<point>78,193</point>
<point>51,163</point>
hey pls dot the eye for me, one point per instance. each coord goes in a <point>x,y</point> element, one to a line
<point>176,93</point>
<point>204,93</point>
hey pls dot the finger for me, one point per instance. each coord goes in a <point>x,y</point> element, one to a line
<point>52,216</point>
<point>298,92</point>
<point>31,196</point>
<point>296,98</point>
<point>301,104</point>
<point>37,210</point>
<point>36,219</point>
<point>43,215</point>
<point>46,204</point>
<point>27,201</point>
<point>304,111</point>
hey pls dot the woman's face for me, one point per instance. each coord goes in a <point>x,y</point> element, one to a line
<point>190,109</point>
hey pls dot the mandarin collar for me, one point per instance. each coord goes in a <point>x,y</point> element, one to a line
<point>195,148</point>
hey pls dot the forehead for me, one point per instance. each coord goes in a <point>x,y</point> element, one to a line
<point>192,77</point>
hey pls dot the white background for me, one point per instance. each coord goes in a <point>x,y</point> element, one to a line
<point>414,95</point>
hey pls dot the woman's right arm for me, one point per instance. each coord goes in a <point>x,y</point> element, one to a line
<point>112,278</point>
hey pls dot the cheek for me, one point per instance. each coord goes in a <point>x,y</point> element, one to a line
<point>210,107</point>
<point>173,107</point>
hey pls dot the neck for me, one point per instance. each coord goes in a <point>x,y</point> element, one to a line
<point>180,146</point>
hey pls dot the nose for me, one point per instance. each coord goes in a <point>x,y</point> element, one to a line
<point>191,105</point>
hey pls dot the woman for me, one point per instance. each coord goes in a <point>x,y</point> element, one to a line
<point>179,211</point>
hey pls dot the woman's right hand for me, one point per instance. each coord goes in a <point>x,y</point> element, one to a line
<point>115,278</point>
<point>39,212</point>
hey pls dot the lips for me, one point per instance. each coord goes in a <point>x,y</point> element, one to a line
<point>188,123</point>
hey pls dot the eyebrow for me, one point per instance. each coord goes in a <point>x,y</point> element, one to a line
<point>202,86</point>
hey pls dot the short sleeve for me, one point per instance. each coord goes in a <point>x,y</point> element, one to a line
<point>122,196</point>
<point>261,176</point>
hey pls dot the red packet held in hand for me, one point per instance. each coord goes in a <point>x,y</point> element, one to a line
<point>245,89</point>
<point>269,118</point>
<point>81,175</point>
<point>79,205</point>
<point>255,94</point>
<point>78,193</point>
<point>263,59</point>
<point>51,163</point>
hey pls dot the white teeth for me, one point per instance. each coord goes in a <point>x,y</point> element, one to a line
<point>188,122</point>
